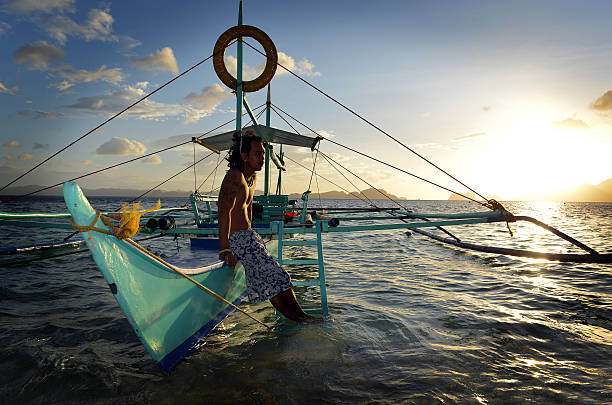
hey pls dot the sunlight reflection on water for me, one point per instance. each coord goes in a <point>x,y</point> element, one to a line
<point>410,321</point>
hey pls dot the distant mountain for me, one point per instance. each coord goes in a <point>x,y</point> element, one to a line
<point>457,197</point>
<point>97,192</point>
<point>370,193</point>
<point>601,192</point>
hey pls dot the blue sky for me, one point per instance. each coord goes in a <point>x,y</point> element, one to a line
<point>514,98</point>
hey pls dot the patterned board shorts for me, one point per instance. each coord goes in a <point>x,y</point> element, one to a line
<point>265,277</point>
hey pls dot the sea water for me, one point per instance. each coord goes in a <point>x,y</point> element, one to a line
<point>411,321</point>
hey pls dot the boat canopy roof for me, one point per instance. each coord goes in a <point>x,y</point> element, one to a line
<point>272,135</point>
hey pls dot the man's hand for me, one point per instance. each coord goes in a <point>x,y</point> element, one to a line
<point>230,258</point>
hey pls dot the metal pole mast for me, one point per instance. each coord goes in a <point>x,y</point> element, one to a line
<point>267,177</point>
<point>239,94</point>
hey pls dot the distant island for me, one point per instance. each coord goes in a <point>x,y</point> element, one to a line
<point>601,192</point>
<point>370,193</point>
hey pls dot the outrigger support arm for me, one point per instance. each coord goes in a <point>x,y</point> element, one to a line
<point>254,119</point>
<point>204,144</point>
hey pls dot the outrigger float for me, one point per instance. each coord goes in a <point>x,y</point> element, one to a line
<point>174,302</point>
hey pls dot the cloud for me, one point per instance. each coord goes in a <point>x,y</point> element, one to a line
<point>38,6</point>
<point>153,159</point>
<point>4,27</point>
<point>41,146</point>
<point>74,76</point>
<point>205,102</point>
<point>248,73</point>
<point>603,103</point>
<point>128,43</point>
<point>24,113</point>
<point>12,144</point>
<point>12,91</point>
<point>569,123</point>
<point>469,137</point>
<point>175,140</point>
<point>303,67</point>
<point>117,100</point>
<point>121,147</point>
<point>25,156</point>
<point>47,115</point>
<point>38,56</point>
<point>99,26</point>
<point>163,60</point>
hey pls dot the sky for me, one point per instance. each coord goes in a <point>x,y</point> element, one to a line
<point>512,98</point>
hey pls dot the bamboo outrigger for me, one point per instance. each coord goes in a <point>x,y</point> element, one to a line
<point>174,302</point>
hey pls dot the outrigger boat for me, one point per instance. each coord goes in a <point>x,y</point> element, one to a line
<point>172,303</point>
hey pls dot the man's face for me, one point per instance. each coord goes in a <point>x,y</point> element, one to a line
<point>255,158</point>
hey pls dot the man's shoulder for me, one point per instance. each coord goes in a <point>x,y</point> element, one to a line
<point>234,174</point>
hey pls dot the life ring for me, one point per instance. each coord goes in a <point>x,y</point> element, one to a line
<point>271,57</point>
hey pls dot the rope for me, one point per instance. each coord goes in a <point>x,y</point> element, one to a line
<point>108,120</point>
<point>329,181</point>
<point>171,177</point>
<point>384,194</point>
<point>312,172</point>
<point>380,161</point>
<point>210,174</point>
<point>215,172</point>
<point>91,227</point>
<point>372,125</point>
<point>356,188</point>
<point>208,290</point>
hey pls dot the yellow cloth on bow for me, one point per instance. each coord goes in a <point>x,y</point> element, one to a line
<point>130,220</point>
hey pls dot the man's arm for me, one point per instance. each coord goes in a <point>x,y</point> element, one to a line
<point>227,200</point>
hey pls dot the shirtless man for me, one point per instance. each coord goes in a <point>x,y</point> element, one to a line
<point>265,278</point>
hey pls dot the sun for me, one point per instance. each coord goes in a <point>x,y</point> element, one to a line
<point>531,158</point>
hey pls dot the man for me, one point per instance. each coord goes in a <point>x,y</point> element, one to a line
<point>265,278</point>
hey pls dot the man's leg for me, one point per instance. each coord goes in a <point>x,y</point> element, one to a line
<point>287,304</point>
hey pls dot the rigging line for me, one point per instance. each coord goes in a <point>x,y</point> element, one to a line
<point>379,161</point>
<point>228,122</point>
<point>342,174</point>
<point>375,126</point>
<point>257,116</point>
<point>210,174</point>
<point>384,194</point>
<point>195,175</point>
<point>94,172</point>
<point>317,182</point>
<point>404,171</point>
<point>108,120</point>
<point>329,181</point>
<point>170,178</point>
<point>312,172</point>
<point>122,163</point>
<point>215,173</point>
<point>283,118</point>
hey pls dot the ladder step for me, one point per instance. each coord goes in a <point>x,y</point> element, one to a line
<point>300,242</point>
<point>306,283</point>
<point>300,261</point>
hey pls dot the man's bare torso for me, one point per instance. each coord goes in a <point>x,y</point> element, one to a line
<point>235,185</point>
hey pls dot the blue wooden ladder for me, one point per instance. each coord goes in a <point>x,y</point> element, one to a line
<point>320,280</point>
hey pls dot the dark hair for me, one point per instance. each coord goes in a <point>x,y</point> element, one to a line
<point>234,159</point>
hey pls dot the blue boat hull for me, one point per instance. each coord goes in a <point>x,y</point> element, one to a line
<point>168,312</point>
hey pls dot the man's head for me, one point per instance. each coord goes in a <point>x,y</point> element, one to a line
<point>247,152</point>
